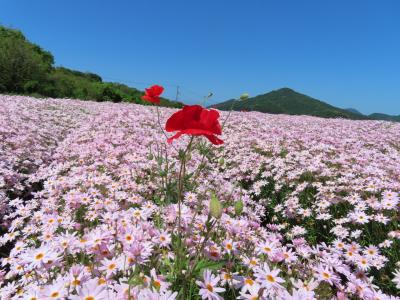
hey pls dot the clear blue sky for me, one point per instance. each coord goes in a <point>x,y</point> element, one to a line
<point>345,52</point>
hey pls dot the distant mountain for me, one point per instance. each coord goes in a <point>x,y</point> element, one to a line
<point>288,101</point>
<point>353,110</point>
<point>385,117</point>
<point>376,116</point>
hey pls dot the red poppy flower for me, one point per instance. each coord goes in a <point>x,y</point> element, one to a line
<point>195,120</point>
<point>153,93</point>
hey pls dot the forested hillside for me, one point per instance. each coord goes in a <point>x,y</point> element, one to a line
<point>26,68</point>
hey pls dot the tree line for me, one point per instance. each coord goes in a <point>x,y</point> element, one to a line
<point>27,69</point>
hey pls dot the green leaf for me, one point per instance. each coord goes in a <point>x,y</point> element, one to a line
<point>208,264</point>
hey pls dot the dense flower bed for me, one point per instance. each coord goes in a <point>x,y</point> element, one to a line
<point>30,130</point>
<point>309,206</point>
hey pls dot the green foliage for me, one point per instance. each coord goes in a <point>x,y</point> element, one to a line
<point>22,65</point>
<point>25,68</point>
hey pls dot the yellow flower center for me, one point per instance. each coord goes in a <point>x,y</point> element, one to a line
<point>76,282</point>
<point>209,287</point>
<point>39,256</point>
<point>270,278</point>
<point>214,254</point>
<point>131,260</point>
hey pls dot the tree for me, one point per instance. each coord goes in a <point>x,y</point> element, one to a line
<point>23,66</point>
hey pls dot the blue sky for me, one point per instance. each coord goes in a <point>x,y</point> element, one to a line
<point>344,52</point>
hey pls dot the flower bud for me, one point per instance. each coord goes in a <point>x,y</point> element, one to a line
<point>239,207</point>
<point>244,96</point>
<point>215,207</point>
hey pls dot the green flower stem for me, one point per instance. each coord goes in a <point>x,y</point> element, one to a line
<point>201,249</point>
<point>181,180</point>
<point>161,127</point>
<point>229,114</point>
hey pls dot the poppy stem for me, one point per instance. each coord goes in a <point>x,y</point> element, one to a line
<point>181,182</point>
<point>227,117</point>
<point>162,129</point>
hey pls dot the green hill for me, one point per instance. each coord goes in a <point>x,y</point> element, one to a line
<point>377,116</point>
<point>385,117</point>
<point>26,68</point>
<point>353,110</point>
<point>288,101</point>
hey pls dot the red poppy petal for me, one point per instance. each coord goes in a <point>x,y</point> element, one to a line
<point>170,140</point>
<point>174,122</point>
<point>155,90</point>
<point>195,120</point>
<point>195,131</point>
<point>151,99</point>
<point>213,139</point>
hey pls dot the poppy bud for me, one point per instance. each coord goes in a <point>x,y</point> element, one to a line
<point>239,207</point>
<point>215,207</point>
<point>221,161</point>
<point>244,96</point>
<point>150,156</point>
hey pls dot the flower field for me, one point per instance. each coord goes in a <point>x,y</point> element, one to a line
<point>96,204</point>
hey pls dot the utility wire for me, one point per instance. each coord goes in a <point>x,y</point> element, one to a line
<point>181,91</point>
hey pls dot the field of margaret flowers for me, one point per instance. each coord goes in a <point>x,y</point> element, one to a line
<point>122,201</point>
